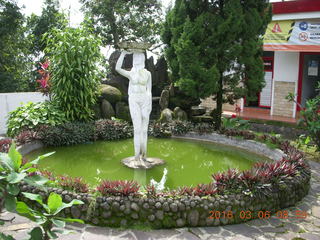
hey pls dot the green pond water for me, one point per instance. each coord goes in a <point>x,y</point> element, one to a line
<point>188,162</point>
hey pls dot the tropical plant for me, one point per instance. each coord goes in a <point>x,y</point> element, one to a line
<point>74,55</point>
<point>310,116</point>
<point>122,20</point>
<point>118,188</point>
<point>32,115</point>
<point>44,83</point>
<point>47,217</point>
<point>12,173</point>
<point>214,48</point>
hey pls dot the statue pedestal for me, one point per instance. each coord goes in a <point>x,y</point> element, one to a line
<point>146,163</point>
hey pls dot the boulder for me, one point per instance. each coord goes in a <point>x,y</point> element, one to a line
<point>179,114</point>
<point>119,82</point>
<point>109,93</point>
<point>166,115</point>
<point>122,111</point>
<point>197,110</point>
<point>106,110</point>
<point>164,99</point>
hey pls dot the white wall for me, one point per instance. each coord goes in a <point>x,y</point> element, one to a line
<point>286,69</point>
<point>10,101</point>
<point>286,66</point>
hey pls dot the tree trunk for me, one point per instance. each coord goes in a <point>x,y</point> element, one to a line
<point>219,102</point>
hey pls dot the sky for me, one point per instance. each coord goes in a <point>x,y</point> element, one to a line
<point>76,16</point>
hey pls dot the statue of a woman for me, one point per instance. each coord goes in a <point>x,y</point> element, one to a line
<point>140,102</point>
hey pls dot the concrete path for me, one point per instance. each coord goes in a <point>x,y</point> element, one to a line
<point>293,228</point>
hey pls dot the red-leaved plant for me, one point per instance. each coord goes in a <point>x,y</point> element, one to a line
<point>118,188</point>
<point>44,80</point>
<point>5,144</point>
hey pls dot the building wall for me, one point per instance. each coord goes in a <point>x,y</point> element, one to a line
<point>285,79</point>
<point>10,101</point>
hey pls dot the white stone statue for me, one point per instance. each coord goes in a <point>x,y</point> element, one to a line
<point>140,102</point>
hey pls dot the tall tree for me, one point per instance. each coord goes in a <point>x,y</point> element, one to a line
<point>123,20</point>
<point>214,47</point>
<point>50,18</point>
<point>14,55</point>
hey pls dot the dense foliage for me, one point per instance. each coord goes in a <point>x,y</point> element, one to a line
<point>74,55</point>
<point>310,116</point>
<point>122,20</point>
<point>38,26</point>
<point>15,63</point>
<point>215,47</point>
<point>32,115</point>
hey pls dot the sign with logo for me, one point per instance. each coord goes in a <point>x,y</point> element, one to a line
<point>292,35</point>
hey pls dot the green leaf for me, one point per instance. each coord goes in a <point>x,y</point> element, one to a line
<point>13,189</point>
<point>34,197</point>
<point>6,161</point>
<point>6,237</point>
<point>36,234</point>
<point>10,203</point>
<point>52,234</point>
<point>16,177</point>
<point>71,220</point>
<point>15,157</point>
<point>58,223</point>
<point>70,204</point>
<point>54,202</point>
<point>36,180</point>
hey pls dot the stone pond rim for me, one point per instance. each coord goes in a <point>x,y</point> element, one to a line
<point>181,211</point>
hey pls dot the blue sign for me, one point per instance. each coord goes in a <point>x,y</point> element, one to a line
<point>303,26</point>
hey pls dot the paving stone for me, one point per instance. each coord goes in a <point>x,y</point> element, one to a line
<point>71,236</point>
<point>243,229</point>
<point>258,222</point>
<point>273,229</point>
<point>316,211</point>
<point>310,236</point>
<point>286,236</point>
<point>292,227</point>
<point>274,221</point>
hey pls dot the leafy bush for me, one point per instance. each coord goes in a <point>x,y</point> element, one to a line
<point>32,115</point>
<point>118,188</point>
<point>200,190</point>
<point>5,144</point>
<point>310,116</point>
<point>112,129</point>
<point>181,127</point>
<point>239,133</point>
<point>74,56</point>
<point>160,130</point>
<point>234,123</point>
<point>67,134</point>
<point>26,137</point>
<point>74,184</point>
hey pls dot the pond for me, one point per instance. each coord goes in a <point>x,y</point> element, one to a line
<point>188,162</point>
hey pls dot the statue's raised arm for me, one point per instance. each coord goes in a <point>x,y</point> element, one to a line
<point>120,70</point>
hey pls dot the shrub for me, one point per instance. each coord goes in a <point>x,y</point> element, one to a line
<point>74,56</point>
<point>67,134</point>
<point>239,133</point>
<point>234,123</point>
<point>74,184</point>
<point>5,144</point>
<point>160,130</point>
<point>32,115</point>
<point>112,129</point>
<point>26,137</point>
<point>310,116</point>
<point>181,127</point>
<point>118,188</point>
